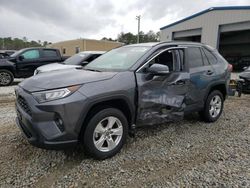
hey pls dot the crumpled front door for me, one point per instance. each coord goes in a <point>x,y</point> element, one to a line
<point>161,99</point>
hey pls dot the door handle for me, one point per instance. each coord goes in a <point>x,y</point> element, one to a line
<point>179,82</point>
<point>209,72</point>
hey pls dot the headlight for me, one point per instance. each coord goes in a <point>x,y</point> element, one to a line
<point>50,95</point>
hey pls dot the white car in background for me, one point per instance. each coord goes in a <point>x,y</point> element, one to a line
<point>78,60</point>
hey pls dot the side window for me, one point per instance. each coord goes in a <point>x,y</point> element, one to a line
<point>31,54</point>
<point>194,57</point>
<point>92,57</point>
<point>170,58</point>
<point>50,53</point>
<point>211,58</point>
<point>204,57</point>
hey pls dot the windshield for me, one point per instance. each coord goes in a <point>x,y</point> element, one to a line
<point>76,59</point>
<point>118,59</point>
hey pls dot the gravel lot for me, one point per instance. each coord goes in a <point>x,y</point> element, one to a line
<point>187,154</point>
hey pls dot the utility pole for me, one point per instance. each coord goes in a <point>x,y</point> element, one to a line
<point>139,22</point>
<point>3,46</point>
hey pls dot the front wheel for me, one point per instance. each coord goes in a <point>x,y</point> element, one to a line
<point>213,107</point>
<point>105,133</point>
<point>6,77</point>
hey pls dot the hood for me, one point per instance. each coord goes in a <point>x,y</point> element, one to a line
<point>5,62</point>
<point>54,67</point>
<point>63,78</point>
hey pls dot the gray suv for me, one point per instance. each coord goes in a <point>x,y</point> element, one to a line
<point>127,87</point>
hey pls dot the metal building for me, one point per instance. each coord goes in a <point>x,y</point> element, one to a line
<point>225,28</point>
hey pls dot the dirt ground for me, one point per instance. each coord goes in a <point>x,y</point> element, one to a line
<point>190,153</point>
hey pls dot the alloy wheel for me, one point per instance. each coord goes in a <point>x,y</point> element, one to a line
<point>5,78</point>
<point>107,134</point>
<point>215,106</point>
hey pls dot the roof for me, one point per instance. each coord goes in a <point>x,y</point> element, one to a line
<point>205,11</point>
<point>149,44</point>
<point>92,52</point>
<point>152,44</point>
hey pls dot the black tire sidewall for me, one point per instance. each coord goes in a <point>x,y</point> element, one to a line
<point>89,131</point>
<point>11,75</point>
<point>206,114</point>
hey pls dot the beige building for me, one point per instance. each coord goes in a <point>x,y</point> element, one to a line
<point>71,47</point>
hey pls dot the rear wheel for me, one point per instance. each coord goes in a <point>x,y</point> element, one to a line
<point>213,107</point>
<point>105,133</point>
<point>6,77</point>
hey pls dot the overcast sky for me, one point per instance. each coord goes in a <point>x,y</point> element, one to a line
<point>56,20</point>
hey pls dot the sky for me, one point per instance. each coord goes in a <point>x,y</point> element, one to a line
<point>57,20</point>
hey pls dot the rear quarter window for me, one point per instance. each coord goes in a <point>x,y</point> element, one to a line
<point>50,53</point>
<point>211,57</point>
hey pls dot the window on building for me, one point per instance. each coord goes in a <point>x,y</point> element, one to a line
<point>49,53</point>
<point>31,54</point>
<point>194,57</point>
<point>211,58</point>
<point>77,50</point>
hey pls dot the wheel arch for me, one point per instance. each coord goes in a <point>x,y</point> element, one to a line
<point>220,87</point>
<point>120,102</point>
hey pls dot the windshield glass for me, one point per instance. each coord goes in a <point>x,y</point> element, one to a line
<point>76,59</point>
<point>118,59</point>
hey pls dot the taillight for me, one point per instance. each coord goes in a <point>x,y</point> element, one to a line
<point>230,67</point>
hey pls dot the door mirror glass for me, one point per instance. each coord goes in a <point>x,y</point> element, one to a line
<point>158,69</point>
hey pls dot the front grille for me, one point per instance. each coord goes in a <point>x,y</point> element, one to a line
<point>24,105</point>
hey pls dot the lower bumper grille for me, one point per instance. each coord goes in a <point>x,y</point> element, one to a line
<point>24,105</point>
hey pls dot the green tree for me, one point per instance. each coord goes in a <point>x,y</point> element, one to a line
<point>8,43</point>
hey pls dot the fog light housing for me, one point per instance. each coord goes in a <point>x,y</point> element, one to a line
<point>59,123</point>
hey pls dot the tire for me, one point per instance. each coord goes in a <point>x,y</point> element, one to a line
<point>212,110</point>
<point>99,140</point>
<point>6,78</point>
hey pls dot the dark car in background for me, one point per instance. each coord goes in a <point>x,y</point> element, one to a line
<point>243,84</point>
<point>23,63</point>
<point>127,87</point>
<point>6,53</point>
<point>76,61</point>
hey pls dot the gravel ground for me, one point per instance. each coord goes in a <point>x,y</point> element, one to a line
<point>187,154</point>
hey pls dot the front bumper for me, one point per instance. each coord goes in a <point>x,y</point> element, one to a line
<point>51,125</point>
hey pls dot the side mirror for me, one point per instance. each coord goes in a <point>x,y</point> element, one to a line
<point>21,57</point>
<point>84,63</point>
<point>245,68</point>
<point>158,69</point>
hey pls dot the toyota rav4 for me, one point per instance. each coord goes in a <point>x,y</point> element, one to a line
<point>130,86</point>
